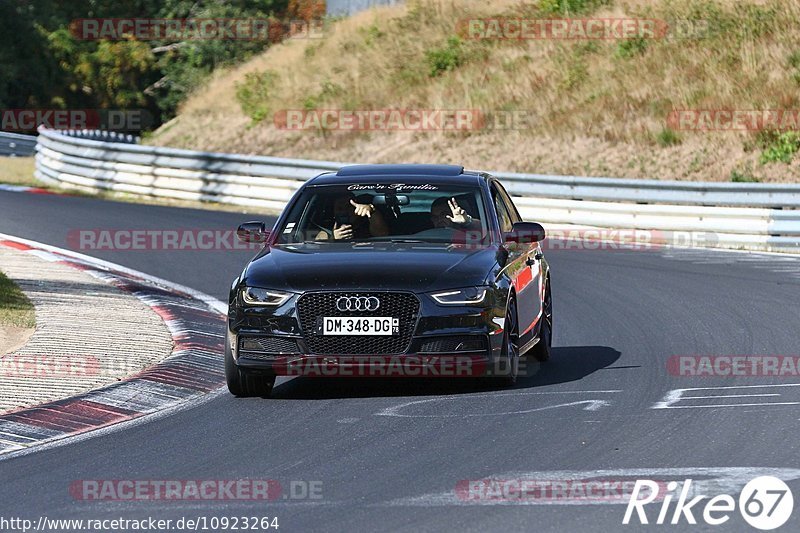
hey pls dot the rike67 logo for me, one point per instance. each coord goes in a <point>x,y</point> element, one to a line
<point>765,503</point>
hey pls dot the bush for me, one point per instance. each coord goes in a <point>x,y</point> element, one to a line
<point>632,47</point>
<point>567,7</point>
<point>668,137</point>
<point>743,177</point>
<point>577,71</point>
<point>254,93</point>
<point>448,57</point>
<point>794,63</point>
<point>779,147</point>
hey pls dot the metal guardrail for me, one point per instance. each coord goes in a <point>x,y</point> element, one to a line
<point>759,216</point>
<point>774,195</point>
<point>16,145</point>
<point>102,135</point>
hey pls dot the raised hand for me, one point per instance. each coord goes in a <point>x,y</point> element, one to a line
<point>363,210</point>
<point>459,216</point>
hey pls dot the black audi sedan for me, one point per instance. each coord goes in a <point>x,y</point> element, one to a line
<point>391,270</point>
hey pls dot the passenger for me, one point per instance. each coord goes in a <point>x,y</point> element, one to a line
<point>446,213</point>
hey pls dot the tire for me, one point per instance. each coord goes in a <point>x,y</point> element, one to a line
<point>510,348</point>
<point>544,348</point>
<point>242,383</point>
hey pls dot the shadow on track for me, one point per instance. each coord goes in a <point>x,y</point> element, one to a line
<point>567,364</point>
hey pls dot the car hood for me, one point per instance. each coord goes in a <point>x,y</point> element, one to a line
<point>387,266</point>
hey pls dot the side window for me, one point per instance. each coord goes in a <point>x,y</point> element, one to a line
<point>512,209</point>
<point>503,216</point>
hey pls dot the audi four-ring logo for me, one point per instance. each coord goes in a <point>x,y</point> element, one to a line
<point>358,303</point>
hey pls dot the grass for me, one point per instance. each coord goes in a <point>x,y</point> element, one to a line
<point>668,137</point>
<point>569,7</point>
<point>16,309</point>
<point>743,176</point>
<point>604,100</point>
<point>18,171</point>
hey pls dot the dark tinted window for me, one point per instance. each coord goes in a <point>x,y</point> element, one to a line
<point>512,209</point>
<point>413,211</point>
<point>503,216</point>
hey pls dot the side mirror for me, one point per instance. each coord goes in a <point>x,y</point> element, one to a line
<point>525,233</point>
<point>250,232</point>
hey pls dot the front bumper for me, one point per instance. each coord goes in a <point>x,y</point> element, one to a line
<point>446,341</point>
<point>405,365</point>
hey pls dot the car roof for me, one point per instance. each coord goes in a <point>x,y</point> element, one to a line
<point>453,174</point>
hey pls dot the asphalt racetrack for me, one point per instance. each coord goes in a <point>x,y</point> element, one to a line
<point>388,455</point>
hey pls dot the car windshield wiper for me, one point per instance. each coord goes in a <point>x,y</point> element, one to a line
<point>361,241</point>
<point>400,240</point>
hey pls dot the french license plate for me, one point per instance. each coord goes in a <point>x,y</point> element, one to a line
<point>360,325</point>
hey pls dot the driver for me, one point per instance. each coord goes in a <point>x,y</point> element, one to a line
<point>353,220</point>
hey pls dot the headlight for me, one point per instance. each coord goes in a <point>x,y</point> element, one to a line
<point>256,296</point>
<point>468,296</point>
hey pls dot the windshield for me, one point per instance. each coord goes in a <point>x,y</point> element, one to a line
<point>412,212</point>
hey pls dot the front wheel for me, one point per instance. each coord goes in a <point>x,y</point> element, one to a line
<point>543,349</point>
<point>507,370</point>
<point>242,383</point>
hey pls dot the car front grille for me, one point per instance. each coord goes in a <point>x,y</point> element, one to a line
<point>259,356</point>
<point>311,307</point>
<point>269,345</point>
